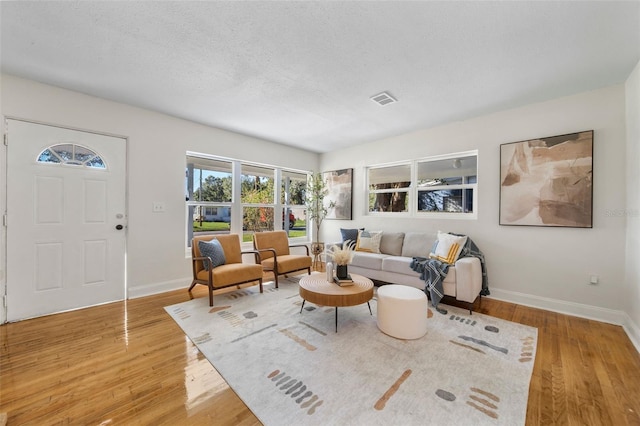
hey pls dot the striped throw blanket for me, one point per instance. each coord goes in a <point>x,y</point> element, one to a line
<point>434,271</point>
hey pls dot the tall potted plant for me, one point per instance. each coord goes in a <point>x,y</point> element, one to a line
<point>317,211</point>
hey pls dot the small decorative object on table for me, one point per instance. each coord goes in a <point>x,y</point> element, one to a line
<point>342,271</point>
<point>342,256</point>
<point>343,282</point>
<point>329,270</point>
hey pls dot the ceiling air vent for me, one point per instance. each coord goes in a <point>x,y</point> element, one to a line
<point>383,99</point>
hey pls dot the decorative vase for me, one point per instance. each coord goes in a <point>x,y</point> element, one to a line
<point>342,272</point>
<point>329,271</point>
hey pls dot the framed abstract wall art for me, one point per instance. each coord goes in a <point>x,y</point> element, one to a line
<point>548,181</point>
<point>340,186</point>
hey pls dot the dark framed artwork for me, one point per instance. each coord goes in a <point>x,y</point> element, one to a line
<point>340,187</point>
<point>548,181</point>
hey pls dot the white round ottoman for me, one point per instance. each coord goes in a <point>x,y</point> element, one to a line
<point>402,311</point>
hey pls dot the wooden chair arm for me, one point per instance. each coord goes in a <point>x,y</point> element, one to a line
<point>301,245</point>
<point>259,257</point>
<point>255,253</point>
<point>203,258</point>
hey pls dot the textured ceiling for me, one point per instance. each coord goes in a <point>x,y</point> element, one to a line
<point>302,73</point>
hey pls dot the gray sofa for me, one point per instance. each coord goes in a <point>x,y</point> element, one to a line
<point>392,265</point>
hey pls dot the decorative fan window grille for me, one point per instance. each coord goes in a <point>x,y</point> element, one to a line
<point>69,154</point>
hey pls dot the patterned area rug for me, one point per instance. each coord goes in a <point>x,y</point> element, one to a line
<point>293,368</point>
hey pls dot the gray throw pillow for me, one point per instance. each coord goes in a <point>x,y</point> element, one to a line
<point>213,250</point>
<point>391,243</point>
<point>417,244</point>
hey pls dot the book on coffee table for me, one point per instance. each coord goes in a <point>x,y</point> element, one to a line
<point>343,282</point>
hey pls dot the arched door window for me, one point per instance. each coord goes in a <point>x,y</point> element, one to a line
<point>69,154</point>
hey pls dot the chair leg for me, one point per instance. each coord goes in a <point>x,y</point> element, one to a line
<point>260,280</point>
<point>275,272</point>
<point>193,284</point>
<point>210,295</point>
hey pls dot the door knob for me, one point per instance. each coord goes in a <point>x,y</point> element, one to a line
<point>119,227</point>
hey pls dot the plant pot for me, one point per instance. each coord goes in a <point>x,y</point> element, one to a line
<point>342,272</point>
<point>317,248</point>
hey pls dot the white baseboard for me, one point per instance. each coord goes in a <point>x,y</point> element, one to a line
<point>632,330</point>
<point>596,313</point>
<point>134,292</point>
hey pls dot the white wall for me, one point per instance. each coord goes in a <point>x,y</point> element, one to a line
<point>632,275</point>
<point>544,267</point>
<point>157,144</point>
<point>537,266</point>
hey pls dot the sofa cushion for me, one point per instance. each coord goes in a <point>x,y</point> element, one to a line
<point>451,275</point>
<point>369,241</point>
<point>449,288</point>
<point>288,263</point>
<point>417,244</point>
<point>368,260</point>
<point>391,243</point>
<point>402,265</point>
<point>449,247</point>
<point>398,265</point>
<point>233,273</point>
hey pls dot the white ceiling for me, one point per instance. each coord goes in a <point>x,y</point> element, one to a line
<point>302,73</point>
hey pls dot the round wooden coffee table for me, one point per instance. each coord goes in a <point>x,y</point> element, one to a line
<point>316,289</point>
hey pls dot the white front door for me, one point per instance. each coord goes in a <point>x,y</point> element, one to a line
<point>66,219</point>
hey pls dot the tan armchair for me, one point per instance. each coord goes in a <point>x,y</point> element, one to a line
<point>232,272</point>
<point>275,254</point>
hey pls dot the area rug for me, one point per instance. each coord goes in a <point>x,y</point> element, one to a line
<point>292,367</point>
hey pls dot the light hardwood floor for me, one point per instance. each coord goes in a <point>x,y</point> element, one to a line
<point>129,363</point>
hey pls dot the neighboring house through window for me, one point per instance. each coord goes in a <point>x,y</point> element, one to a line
<point>233,196</point>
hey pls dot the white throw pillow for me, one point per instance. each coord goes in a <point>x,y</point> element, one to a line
<point>449,247</point>
<point>369,241</point>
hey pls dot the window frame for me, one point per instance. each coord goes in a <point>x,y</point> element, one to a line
<point>236,204</point>
<point>406,189</point>
<point>54,153</point>
<point>287,204</point>
<point>413,189</point>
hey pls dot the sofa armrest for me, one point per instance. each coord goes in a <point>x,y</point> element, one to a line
<point>468,279</point>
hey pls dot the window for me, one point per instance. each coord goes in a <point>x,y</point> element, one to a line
<point>445,186</point>
<point>258,202</point>
<point>68,154</point>
<point>389,188</point>
<point>209,195</point>
<point>293,191</point>
<point>224,196</point>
